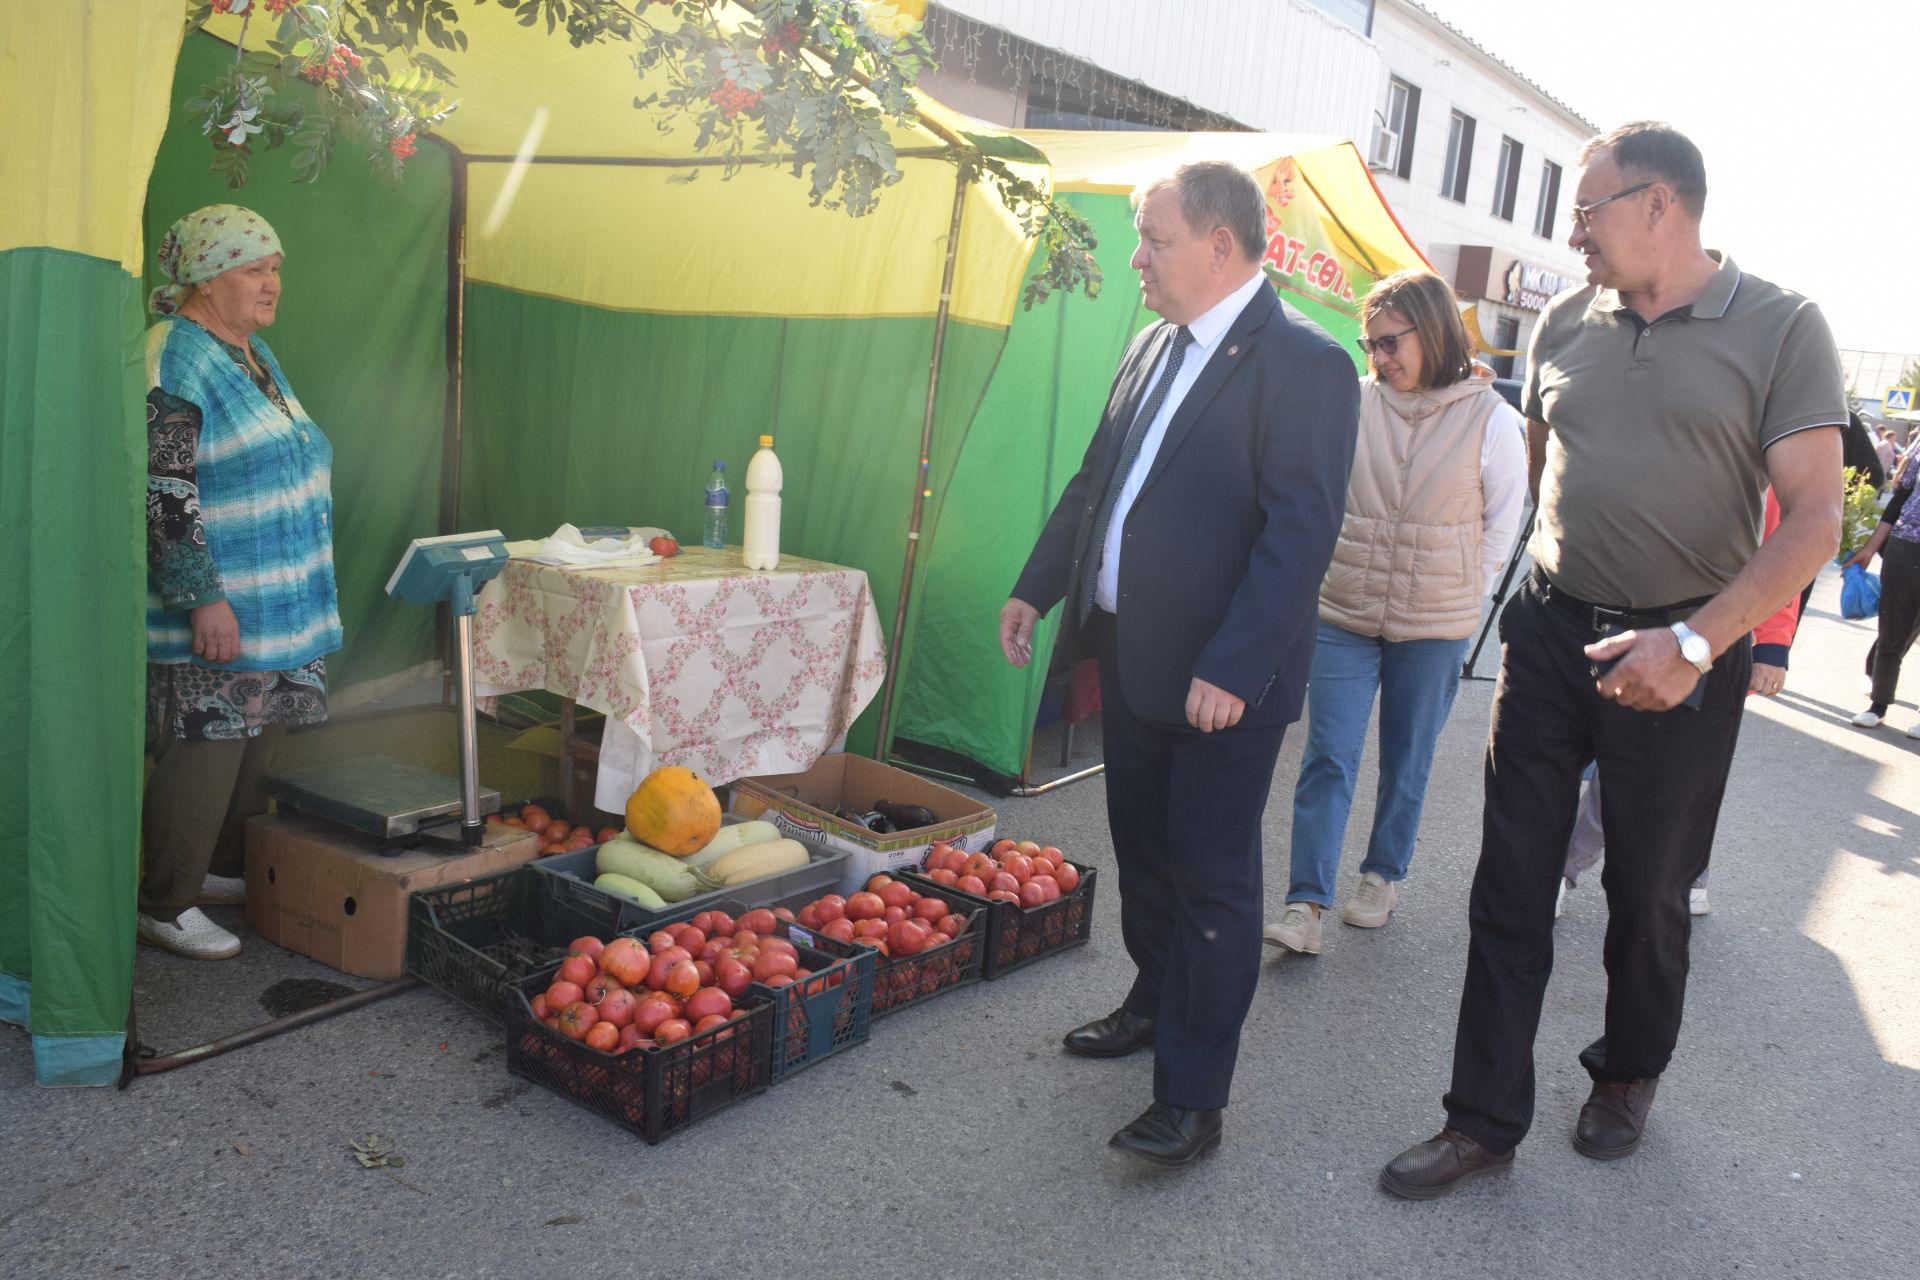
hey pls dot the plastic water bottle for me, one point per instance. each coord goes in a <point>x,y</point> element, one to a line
<point>716,536</point>
<point>760,536</point>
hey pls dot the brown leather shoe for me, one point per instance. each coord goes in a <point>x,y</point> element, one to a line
<point>1615,1118</point>
<point>1437,1167</point>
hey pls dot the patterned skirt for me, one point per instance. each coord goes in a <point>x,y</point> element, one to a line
<point>206,705</point>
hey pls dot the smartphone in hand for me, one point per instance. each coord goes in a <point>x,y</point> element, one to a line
<point>1602,666</point>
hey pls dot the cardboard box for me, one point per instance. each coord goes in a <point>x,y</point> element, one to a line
<point>317,888</point>
<point>803,804</point>
<point>545,741</point>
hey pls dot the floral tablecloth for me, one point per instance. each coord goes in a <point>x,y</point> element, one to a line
<point>696,661</point>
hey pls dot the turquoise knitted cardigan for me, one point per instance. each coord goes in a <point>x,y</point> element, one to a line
<point>266,504</point>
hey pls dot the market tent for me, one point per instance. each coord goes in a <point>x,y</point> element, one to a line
<point>1331,235</point>
<point>619,328</point>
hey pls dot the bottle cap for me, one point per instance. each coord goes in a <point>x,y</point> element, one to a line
<point>719,465</point>
<point>766,442</point>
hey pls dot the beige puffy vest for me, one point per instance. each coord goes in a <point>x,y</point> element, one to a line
<point>1407,566</point>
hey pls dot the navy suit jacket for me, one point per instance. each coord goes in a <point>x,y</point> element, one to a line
<point>1225,547</point>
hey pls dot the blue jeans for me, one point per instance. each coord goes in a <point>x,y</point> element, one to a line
<point>1417,680</point>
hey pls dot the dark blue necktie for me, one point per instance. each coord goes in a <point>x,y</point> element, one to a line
<point>1129,454</point>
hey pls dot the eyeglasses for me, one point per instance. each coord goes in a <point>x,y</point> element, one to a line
<point>1386,344</point>
<point>1583,213</point>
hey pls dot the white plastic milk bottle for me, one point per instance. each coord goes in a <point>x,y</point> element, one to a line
<point>760,539</point>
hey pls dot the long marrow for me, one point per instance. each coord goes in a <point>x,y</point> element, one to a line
<point>627,887</point>
<point>753,861</point>
<point>730,838</point>
<point>665,874</point>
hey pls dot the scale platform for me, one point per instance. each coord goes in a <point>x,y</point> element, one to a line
<point>377,794</point>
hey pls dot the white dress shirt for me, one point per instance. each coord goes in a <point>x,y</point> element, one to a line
<point>1207,332</point>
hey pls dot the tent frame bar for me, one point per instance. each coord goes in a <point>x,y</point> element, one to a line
<point>139,1063</point>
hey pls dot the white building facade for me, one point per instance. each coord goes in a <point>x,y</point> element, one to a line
<point>1475,159</point>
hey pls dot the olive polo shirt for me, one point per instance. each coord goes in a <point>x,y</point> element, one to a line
<point>1656,476</point>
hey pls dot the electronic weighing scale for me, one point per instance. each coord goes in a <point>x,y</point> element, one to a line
<point>408,804</point>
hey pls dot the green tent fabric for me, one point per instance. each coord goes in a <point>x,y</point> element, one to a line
<point>362,338</point>
<point>72,483</point>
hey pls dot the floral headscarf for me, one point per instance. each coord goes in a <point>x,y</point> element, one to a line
<point>205,243</point>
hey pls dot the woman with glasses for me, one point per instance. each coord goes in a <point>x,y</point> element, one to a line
<point>1433,504</point>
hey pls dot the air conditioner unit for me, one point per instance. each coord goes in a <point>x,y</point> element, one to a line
<point>1385,153</point>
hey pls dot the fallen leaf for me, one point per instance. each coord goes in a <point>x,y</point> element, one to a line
<point>241,1147</point>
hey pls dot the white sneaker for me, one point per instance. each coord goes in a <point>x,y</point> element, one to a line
<point>1372,903</point>
<point>1868,719</point>
<point>1697,901</point>
<point>222,891</point>
<point>1298,930</point>
<point>1560,901</point>
<point>193,936</point>
<point>1913,730</point>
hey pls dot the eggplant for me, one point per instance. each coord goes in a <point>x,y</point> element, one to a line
<point>905,817</point>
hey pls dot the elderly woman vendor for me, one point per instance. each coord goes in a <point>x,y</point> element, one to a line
<point>241,606</point>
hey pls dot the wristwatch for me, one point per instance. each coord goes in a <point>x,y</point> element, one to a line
<point>1693,646</point>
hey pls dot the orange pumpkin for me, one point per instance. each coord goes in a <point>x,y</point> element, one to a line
<point>674,811</point>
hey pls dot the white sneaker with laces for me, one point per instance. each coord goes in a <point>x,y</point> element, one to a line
<point>1372,903</point>
<point>1868,719</point>
<point>1298,930</point>
<point>1913,730</point>
<point>192,936</point>
<point>222,891</point>
<point>1697,901</point>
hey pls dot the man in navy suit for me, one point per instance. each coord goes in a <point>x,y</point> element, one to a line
<point>1188,550</point>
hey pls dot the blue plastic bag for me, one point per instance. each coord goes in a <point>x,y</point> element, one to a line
<point>1859,592</point>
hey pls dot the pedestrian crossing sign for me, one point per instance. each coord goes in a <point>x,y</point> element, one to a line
<point>1898,398</point>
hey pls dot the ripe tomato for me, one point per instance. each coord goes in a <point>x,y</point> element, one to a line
<point>588,946</point>
<point>599,985</point>
<point>705,969</point>
<point>617,1006</point>
<point>1017,865</point>
<point>673,1031</point>
<point>878,944</point>
<point>897,893</point>
<point>760,920</point>
<point>782,946</point>
<point>745,938</point>
<point>1004,846</point>
<point>772,964</point>
<point>562,994</point>
<point>540,1009</point>
<point>1005,881</point>
<point>511,822</point>
<point>876,883</point>
<point>840,930</point>
<point>1068,877</point>
<point>605,834</point>
<point>603,1036</point>
<point>829,908</point>
<point>683,979</point>
<point>709,1022</point>
<point>1002,895</point>
<point>685,935</point>
<point>865,906</point>
<point>870,928</point>
<point>704,923</point>
<point>577,1019</point>
<point>578,970</point>
<point>980,866</point>
<point>534,818</point>
<point>732,977</point>
<point>892,914</point>
<point>708,1002</point>
<point>557,830</point>
<point>906,938</point>
<point>1052,854</point>
<point>1049,888</point>
<point>651,1012</point>
<point>971,884</point>
<point>630,1035</point>
<point>779,980</point>
<point>1028,847</point>
<point>1032,895</point>
<point>660,939</point>
<point>809,917</point>
<point>723,925</point>
<point>930,909</point>
<point>626,960</point>
<point>782,913</point>
<point>952,924</point>
<point>944,875</point>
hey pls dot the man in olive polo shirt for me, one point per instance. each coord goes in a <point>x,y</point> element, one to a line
<point>1662,399</point>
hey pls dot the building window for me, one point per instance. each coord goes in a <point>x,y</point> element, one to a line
<point>1357,14</point>
<point>1506,183</point>
<point>1453,184</point>
<point>1393,140</point>
<point>1506,336</point>
<point>1549,200</point>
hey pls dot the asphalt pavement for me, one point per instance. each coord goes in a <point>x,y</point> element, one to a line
<point>961,1141</point>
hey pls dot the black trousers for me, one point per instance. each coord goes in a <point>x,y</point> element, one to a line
<point>1899,614</point>
<point>1664,774</point>
<point>1184,808</point>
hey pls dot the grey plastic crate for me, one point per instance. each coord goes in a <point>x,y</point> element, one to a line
<point>569,878</point>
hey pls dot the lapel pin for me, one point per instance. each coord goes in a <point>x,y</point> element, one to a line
<point>1234,350</point>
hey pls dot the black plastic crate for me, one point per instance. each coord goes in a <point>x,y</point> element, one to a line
<point>900,981</point>
<point>652,1092</point>
<point>1017,935</point>
<point>570,878</point>
<point>476,940</point>
<point>816,1017</point>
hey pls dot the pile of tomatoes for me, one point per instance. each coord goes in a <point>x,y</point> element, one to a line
<point>924,941</point>
<point>1018,871</point>
<point>557,835</point>
<point>682,981</point>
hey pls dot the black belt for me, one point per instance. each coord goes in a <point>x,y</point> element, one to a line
<point>1602,616</point>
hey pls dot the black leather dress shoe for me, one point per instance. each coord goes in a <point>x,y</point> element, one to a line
<point>1614,1118</point>
<point>1170,1136</point>
<point>1437,1167</point>
<point>1114,1036</point>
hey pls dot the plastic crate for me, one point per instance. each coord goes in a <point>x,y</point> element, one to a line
<point>654,1092</point>
<point>906,980</point>
<point>570,878</point>
<point>476,940</point>
<point>1017,935</point>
